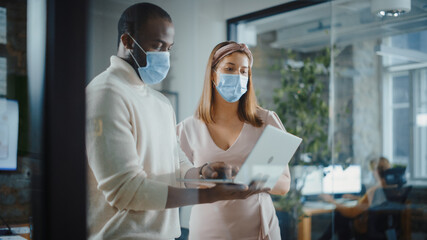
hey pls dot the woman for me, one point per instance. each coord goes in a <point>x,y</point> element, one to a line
<point>226,126</point>
<point>357,215</point>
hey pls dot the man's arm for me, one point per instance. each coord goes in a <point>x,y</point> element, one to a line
<point>178,197</point>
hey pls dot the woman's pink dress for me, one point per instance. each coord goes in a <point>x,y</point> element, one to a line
<point>252,218</point>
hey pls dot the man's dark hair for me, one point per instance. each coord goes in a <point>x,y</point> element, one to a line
<point>136,15</point>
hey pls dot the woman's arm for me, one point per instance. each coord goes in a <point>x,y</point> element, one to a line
<point>283,184</point>
<point>350,212</point>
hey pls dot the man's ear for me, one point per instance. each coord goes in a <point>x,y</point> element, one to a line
<point>126,41</point>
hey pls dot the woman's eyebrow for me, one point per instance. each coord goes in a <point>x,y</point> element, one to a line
<point>235,64</point>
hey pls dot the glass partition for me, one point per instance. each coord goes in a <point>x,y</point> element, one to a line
<point>350,79</point>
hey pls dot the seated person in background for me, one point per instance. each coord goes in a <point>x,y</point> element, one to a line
<point>374,178</point>
<point>344,215</point>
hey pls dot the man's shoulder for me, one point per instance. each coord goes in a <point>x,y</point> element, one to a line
<point>159,96</point>
<point>97,80</point>
<point>106,80</point>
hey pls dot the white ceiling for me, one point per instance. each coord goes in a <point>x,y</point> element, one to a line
<point>310,28</point>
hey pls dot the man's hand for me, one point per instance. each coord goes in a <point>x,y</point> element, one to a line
<point>218,170</point>
<point>178,197</point>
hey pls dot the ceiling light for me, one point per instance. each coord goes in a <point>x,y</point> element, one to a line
<point>390,8</point>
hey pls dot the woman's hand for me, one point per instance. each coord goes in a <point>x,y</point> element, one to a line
<point>218,170</point>
<point>232,191</point>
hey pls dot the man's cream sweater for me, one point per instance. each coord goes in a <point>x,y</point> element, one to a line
<point>133,156</point>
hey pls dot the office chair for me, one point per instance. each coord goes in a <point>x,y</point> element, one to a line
<point>386,216</point>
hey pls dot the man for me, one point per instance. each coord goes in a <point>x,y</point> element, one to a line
<point>133,155</point>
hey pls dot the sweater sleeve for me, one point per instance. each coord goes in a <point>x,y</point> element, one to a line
<point>183,141</point>
<point>185,159</point>
<point>282,185</point>
<point>112,154</point>
<point>184,162</point>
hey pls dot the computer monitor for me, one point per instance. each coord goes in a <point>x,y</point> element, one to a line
<point>312,183</point>
<point>331,180</point>
<point>9,119</point>
<point>395,176</point>
<point>337,180</point>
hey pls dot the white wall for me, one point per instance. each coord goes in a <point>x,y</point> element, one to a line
<point>36,56</point>
<point>199,26</point>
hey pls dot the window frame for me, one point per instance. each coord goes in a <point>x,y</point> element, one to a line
<point>268,12</point>
<point>388,108</point>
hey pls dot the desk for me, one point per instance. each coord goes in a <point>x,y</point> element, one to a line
<point>313,208</point>
<point>22,230</point>
<point>304,225</point>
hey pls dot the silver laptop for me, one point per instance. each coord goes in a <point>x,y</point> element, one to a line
<point>266,162</point>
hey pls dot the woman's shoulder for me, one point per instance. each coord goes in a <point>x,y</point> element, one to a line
<point>266,115</point>
<point>190,122</point>
<point>270,117</point>
<point>263,113</point>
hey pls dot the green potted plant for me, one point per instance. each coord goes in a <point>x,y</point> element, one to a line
<point>289,212</point>
<point>302,102</point>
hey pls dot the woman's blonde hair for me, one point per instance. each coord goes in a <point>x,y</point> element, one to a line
<point>247,109</point>
<point>382,165</point>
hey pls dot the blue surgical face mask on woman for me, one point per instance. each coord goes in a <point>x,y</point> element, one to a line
<point>157,68</point>
<point>231,87</point>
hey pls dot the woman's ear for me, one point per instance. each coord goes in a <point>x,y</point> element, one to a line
<point>213,77</point>
<point>126,41</point>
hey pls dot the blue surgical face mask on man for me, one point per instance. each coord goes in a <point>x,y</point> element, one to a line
<point>231,87</point>
<point>157,68</point>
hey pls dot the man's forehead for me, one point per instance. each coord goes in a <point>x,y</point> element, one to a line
<point>157,29</point>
